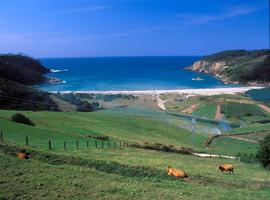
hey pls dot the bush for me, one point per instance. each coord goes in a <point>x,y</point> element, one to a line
<point>20,118</point>
<point>263,154</point>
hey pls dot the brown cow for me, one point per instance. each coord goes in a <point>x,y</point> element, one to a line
<point>177,173</point>
<point>23,155</point>
<point>226,167</point>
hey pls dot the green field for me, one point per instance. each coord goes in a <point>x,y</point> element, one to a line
<point>207,111</point>
<point>238,110</point>
<point>126,174</point>
<point>121,172</point>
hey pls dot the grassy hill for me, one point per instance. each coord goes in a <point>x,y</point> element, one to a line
<point>119,125</point>
<point>125,174</point>
<point>237,65</point>
<point>118,172</point>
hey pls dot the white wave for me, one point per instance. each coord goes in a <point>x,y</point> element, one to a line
<point>58,70</point>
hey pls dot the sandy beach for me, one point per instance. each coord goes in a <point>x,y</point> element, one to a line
<point>204,91</point>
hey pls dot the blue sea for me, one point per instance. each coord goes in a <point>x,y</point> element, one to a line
<point>125,73</point>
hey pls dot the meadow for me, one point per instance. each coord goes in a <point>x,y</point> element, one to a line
<point>121,172</point>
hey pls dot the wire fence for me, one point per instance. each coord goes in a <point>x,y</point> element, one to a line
<point>56,145</point>
<point>69,145</point>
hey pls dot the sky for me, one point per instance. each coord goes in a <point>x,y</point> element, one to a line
<point>82,28</point>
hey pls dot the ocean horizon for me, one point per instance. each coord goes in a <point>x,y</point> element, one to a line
<point>126,73</point>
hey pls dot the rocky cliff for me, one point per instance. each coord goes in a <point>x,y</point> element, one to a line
<point>248,67</point>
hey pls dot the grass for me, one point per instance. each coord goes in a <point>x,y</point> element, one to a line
<point>250,129</point>
<point>231,146</point>
<point>119,173</point>
<point>99,174</point>
<point>208,111</point>
<point>238,110</point>
<point>119,126</point>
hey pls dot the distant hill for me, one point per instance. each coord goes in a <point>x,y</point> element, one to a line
<point>22,69</point>
<point>237,66</point>
<point>17,73</point>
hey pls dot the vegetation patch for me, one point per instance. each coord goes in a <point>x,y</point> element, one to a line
<point>238,110</point>
<point>20,118</point>
<point>165,148</point>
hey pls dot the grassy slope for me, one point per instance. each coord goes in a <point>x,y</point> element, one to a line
<point>69,181</point>
<point>68,127</point>
<point>118,125</point>
<point>207,111</point>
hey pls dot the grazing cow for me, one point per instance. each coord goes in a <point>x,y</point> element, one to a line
<point>23,155</point>
<point>225,167</point>
<point>177,173</point>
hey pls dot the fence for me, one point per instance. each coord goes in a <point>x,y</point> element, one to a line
<point>96,143</point>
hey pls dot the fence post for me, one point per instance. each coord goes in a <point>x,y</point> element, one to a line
<point>120,144</point>
<point>65,146</point>
<point>102,144</point>
<point>50,145</point>
<point>2,139</point>
<point>77,144</point>
<point>96,144</point>
<point>210,155</point>
<point>26,141</point>
<point>87,144</point>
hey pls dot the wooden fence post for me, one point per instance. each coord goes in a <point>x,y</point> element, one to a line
<point>26,141</point>
<point>96,144</point>
<point>210,155</point>
<point>2,138</point>
<point>120,144</point>
<point>65,146</point>
<point>87,144</point>
<point>77,144</point>
<point>50,145</point>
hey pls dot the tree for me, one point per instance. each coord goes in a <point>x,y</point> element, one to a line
<point>263,154</point>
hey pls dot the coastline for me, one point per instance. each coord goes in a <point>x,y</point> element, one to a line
<point>203,92</point>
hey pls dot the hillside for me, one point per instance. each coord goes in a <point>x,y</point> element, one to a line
<point>237,66</point>
<point>119,172</point>
<point>17,74</point>
<point>22,69</point>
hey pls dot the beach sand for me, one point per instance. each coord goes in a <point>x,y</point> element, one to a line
<point>203,92</point>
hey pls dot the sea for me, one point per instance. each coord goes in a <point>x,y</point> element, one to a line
<point>126,73</point>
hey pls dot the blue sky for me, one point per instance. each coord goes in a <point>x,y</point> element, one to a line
<point>63,28</point>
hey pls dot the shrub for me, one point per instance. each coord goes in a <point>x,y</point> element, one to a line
<point>20,118</point>
<point>263,154</point>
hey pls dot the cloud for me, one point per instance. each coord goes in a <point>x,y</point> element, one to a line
<point>201,18</point>
<point>77,10</point>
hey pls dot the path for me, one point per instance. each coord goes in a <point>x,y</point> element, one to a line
<point>244,139</point>
<point>218,113</point>
<point>160,102</point>
<point>264,107</point>
<point>190,109</point>
<point>207,155</point>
